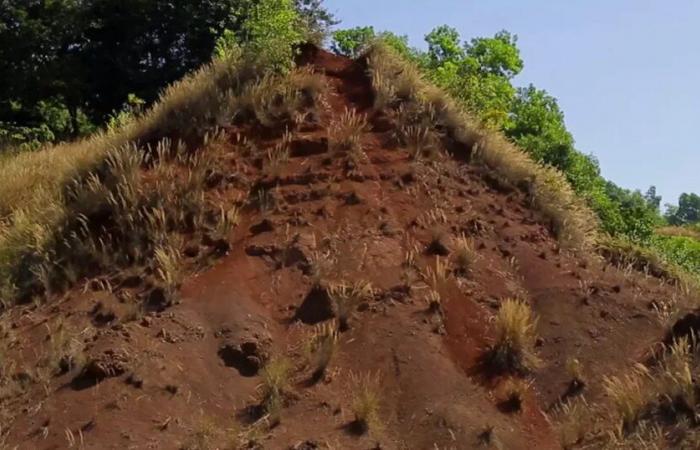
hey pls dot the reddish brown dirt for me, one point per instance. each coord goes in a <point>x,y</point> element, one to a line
<point>172,370</point>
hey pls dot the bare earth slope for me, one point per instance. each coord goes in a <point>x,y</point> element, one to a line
<point>189,375</point>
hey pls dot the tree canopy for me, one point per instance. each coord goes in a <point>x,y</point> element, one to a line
<point>69,64</point>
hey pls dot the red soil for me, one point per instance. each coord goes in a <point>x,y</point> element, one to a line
<point>171,369</point>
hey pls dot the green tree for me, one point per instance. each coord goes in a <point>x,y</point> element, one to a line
<point>652,199</point>
<point>479,72</point>
<point>351,42</point>
<point>316,18</point>
<point>687,211</point>
<point>537,124</point>
<point>84,57</point>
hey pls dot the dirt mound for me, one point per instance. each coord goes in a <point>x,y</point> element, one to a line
<point>370,234</point>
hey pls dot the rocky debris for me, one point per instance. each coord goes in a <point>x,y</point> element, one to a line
<point>245,350</point>
<point>108,364</point>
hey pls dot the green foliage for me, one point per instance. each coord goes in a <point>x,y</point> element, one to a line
<point>271,33</point>
<point>352,42</point>
<point>684,251</point>
<point>317,20</point>
<point>687,211</point>
<point>84,57</point>
<point>537,124</point>
<point>478,73</point>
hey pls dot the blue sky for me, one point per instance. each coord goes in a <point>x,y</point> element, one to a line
<point>625,72</point>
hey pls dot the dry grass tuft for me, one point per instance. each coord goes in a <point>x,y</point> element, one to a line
<point>574,369</point>
<point>319,347</point>
<point>570,421</point>
<point>513,350</point>
<point>284,100</point>
<point>169,267</point>
<point>366,403</point>
<point>203,436</point>
<point>512,395</point>
<point>275,383</point>
<point>345,134</point>
<point>464,255</point>
<point>346,298</point>
<point>630,395</point>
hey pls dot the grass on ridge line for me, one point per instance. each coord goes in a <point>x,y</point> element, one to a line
<point>396,83</point>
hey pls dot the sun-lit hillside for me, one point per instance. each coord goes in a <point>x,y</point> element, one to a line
<point>296,248</point>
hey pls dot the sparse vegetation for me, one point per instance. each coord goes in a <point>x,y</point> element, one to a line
<point>513,349</point>
<point>549,190</point>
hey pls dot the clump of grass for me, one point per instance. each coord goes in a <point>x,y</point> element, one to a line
<point>570,421</point>
<point>275,383</point>
<point>65,350</point>
<point>513,394</point>
<point>366,403</point>
<point>630,394</point>
<point>282,100</point>
<point>420,141</point>
<point>513,350</point>
<point>319,347</point>
<point>203,436</point>
<point>322,265</point>
<point>438,245</point>
<point>464,255</point>
<point>434,302</point>
<point>674,383</point>
<point>346,297</point>
<point>170,269</point>
<point>574,369</point>
<point>227,220</point>
<point>345,134</point>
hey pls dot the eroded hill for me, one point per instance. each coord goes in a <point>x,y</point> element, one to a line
<point>329,273</point>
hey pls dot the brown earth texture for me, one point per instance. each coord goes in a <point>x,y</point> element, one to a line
<point>190,374</point>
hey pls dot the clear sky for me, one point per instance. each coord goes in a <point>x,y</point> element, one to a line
<point>625,72</point>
